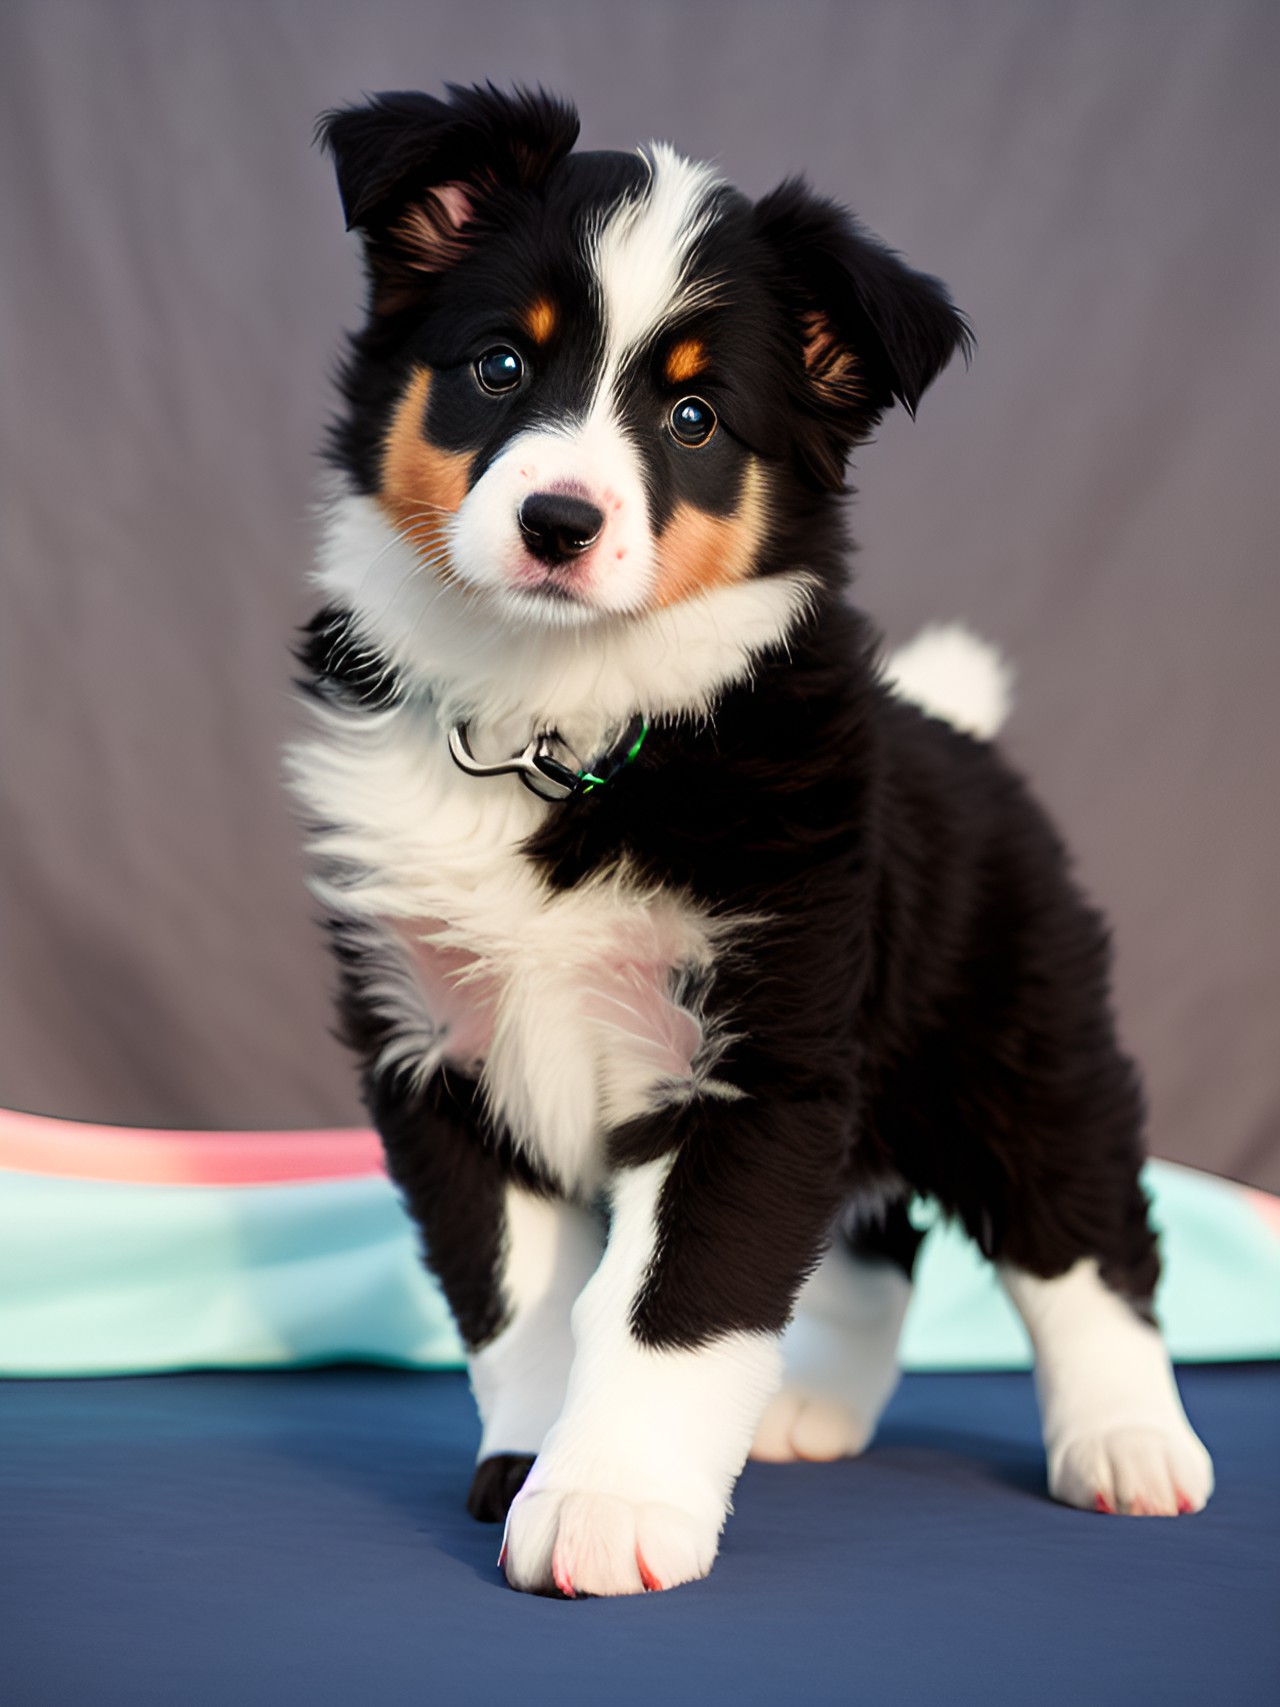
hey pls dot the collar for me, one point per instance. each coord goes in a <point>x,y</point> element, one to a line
<point>547,776</point>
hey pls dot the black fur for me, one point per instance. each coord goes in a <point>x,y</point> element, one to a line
<point>401,143</point>
<point>901,325</point>
<point>929,1008</point>
<point>339,663</point>
<point>496,1483</point>
<point>887,1236</point>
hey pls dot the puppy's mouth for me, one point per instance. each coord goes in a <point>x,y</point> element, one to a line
<point>555,583</point>
<point>544,594</point>
<point>555,591</point>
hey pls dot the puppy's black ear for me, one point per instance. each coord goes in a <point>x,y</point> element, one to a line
<point>416,175</point>
<point>868,330</point>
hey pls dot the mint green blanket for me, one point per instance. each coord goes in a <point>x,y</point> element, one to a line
<point>104,1278</point>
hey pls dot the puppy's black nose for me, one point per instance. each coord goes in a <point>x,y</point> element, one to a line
<point>557,528</point>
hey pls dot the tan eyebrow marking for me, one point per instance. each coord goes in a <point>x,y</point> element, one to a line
<point>685,360</point>
<point>540,319</point>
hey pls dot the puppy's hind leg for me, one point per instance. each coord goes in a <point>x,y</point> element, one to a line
<point>841,1350</point>
<point>1079,1259</point>
<point>1116,1436</point>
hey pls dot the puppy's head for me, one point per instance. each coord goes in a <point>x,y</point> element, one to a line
<point>602,383</point>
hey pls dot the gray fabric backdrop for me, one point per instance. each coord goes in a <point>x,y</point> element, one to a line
<point>1099,493</point>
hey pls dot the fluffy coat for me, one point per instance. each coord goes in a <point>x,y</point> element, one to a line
<point>660,1066</point>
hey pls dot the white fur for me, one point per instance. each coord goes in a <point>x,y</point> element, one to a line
<point>519,1378</point>
<point>1115,1432</point>
<point>639,254</point>
<point>424,1025</point>
<point>840,1357</point>
<point>952,674</point>
<point>564,1001</point>
<point>642,1461</point>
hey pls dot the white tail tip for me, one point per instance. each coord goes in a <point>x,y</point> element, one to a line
<point>950,673</point>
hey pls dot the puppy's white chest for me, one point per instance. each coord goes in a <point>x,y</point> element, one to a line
<point>573,1007</point>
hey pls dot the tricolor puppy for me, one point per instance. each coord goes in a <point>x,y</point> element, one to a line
<point>679,950</point>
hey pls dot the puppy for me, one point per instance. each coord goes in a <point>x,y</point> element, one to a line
<point>678,952</point>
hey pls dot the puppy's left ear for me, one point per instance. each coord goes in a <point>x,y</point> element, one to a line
<point>869,331</point>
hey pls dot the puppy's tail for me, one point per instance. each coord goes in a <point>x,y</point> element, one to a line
<point>950,673</point>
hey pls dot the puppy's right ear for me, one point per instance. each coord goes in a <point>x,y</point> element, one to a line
<point>418,176</point>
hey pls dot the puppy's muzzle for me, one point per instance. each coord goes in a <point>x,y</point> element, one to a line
<point>557,528</point>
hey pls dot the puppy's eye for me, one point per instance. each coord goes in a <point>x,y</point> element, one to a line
<point>499,370</point>
<point>692,422</point>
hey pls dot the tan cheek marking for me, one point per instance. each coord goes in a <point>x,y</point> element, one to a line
<point>697,551</point>
<point>540,320</point>
<point>685,360</point>
<point>422,485</point>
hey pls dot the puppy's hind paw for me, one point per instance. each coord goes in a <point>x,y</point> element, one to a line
<point>1138,1472</point>
<point>809,1426</point>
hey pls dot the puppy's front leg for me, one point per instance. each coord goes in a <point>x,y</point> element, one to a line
<point>676,1355</point>
<point>519,1377</point>
<point>632,1485</point>
<point>510,1258</point>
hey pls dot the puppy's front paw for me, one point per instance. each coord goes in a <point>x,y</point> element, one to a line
<point>591,1543</point>
<point>496,1483</point>
<point>1142,1472</point>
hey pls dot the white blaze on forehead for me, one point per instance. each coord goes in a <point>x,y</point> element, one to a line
<point>640,254</point>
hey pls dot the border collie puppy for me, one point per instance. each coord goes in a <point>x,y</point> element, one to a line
<point>678,951</point>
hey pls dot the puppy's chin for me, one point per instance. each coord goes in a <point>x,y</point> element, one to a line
<point>551,603</point>
<point>547,607</point>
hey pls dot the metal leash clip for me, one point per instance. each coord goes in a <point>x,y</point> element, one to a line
<point>542,774</point>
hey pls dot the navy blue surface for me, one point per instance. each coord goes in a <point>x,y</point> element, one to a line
<point>208,1540</point>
